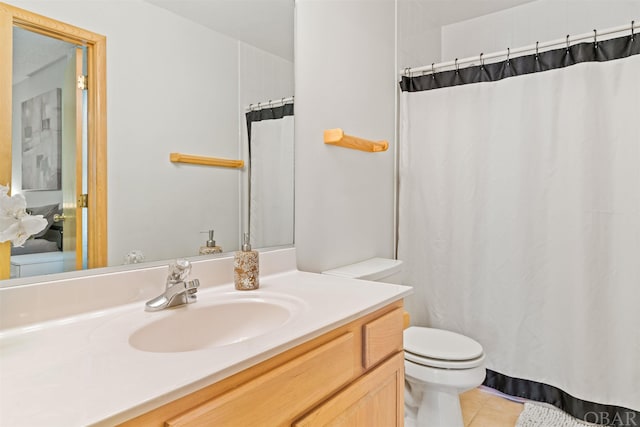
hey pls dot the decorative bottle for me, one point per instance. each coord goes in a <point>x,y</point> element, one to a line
<point>210,246</point>
<point>245,267</point>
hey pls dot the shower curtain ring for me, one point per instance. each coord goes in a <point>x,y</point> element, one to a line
<point>481,60</point>
<point>567,43</point>
<point>632,35</point>
<point>406,72</point>
<point>595,39</point>
<point>457,68</point>
<point>537,50</point>
<point>508,55</point>
<point>433,70</point>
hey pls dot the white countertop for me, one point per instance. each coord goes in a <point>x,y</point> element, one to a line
<point>81,370</point>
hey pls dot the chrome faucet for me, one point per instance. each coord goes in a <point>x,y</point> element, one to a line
<point>177,291</point>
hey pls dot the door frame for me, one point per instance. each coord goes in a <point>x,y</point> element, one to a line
<point>11,16</point>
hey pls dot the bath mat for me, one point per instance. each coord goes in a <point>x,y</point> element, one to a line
<point>535,415</point>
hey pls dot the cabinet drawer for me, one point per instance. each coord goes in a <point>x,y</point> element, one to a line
<point>375,399</point>
<point>281,394</point>
<point>382,337</point>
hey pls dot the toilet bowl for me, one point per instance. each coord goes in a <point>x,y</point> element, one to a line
<point>439,364</point>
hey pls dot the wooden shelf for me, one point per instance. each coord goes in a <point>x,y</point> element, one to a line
<point>206,161</point>
<point>337,137</point>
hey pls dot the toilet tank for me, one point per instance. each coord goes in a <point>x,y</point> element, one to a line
<point>376,269</point>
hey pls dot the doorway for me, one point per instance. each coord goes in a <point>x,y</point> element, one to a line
<point>53,137</point>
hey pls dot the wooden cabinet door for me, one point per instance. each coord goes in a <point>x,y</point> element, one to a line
<point>381,338</point>
<point>376,399</point>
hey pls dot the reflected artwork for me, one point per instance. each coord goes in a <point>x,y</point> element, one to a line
<point>42,141</point>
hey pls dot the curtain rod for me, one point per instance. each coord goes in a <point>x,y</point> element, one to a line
<point>509,53</point>
<point>269,104</point>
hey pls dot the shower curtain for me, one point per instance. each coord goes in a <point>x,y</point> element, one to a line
<point>271,159</point>
<point>519,224</point>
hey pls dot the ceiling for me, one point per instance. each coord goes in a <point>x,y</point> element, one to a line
<point>445,12</point>
<point>268,24</point>
<point>265,24</point>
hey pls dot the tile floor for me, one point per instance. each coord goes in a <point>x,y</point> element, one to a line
<point>483,409</point>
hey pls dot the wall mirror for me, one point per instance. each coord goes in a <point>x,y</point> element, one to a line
<point>186,85</point>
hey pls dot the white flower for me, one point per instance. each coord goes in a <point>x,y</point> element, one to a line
<point>15,223</point>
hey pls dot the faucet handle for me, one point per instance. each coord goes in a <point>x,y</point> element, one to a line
<point>179,270</point>
<point>192,286</point>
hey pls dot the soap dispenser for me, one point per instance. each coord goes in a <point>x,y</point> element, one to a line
<point>245,267</point>
<point>210,246</point>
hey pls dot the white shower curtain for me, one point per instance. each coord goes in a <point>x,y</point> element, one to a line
<point>271,211</point>
<point>519,223</point>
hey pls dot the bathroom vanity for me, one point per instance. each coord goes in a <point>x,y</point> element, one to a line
<point>304,349</point>
<point>352,375</point>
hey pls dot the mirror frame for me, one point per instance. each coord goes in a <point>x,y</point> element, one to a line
<point>11,16</point>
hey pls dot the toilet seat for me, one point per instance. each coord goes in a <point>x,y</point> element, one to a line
<point>438,348</point>
<point>443,364</point>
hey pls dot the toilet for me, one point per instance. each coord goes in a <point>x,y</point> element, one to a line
<point>439,364</point>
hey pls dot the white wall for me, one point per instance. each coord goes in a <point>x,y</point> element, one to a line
<point>263,76</point>
<point>172,85</point>
<point>542,20</point>
<point>419,34</point>
<point>345,78</point>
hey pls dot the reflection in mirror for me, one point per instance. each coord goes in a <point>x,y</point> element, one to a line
<point>271,188</point>
<point>43,149</point>
<point>181,87</point>
<point>47,134</point>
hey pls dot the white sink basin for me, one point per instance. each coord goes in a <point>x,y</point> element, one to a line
<point>193,327</point>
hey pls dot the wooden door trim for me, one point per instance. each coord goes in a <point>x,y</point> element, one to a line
<point>79,156</point>
<point>97,119</point>
<point>6,72</point>
<point>97,154</point>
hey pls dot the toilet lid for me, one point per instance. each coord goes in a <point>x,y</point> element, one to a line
<point>437,344</point>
